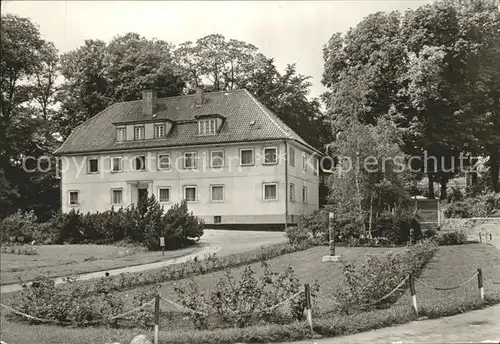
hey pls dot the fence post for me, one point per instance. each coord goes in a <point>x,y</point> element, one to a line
<point>480,283</point>
<point>157,318</point>
<point>480,237</point>
<point>307,291</point>
<point>413,293</point>
<point>491,237</point>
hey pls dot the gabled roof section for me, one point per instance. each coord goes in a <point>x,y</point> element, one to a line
<point>239,108</point>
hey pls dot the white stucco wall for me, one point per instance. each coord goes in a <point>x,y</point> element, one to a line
<point>243,185</point>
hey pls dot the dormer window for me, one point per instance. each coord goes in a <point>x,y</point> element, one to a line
<point>207,126</point>
<point>139,132</point>
<point>160,131</point>
<point>120,134</point>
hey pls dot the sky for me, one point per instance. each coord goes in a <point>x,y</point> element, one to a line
<point>288,31</point>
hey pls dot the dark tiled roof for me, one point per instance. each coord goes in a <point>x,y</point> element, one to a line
<point>239,108</point>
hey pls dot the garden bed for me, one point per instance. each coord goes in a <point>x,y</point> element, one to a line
<point>450,266</point>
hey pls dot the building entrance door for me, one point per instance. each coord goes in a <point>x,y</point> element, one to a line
<point>142,195</point>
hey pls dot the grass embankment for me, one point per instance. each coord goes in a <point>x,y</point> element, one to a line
<point>450,266</point>
<point>68,260</point>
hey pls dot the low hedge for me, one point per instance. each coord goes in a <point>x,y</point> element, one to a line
<point>194,267</point>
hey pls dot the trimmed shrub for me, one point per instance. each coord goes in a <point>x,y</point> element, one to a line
<point>181,226</point>
<point>396,227</point>
<point>452,238</point>
<point>143,224</point>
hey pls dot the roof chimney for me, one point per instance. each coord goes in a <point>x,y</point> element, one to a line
<point>199,95</point>
<point>148,102</point>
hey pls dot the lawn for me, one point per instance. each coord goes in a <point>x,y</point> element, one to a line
<point>450,266</point>
<point>307,266</point>
<point>66,260</point>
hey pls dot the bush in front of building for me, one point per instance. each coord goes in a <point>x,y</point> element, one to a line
<point>144,224</point>
<point>23,228</point>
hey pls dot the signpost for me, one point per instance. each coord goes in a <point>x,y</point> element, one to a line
<point>331,234</point>
<point>162,245</point>
<point>332,257</point>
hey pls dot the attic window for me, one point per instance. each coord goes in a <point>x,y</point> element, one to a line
<point>120,134</point>
<point>207,126</point>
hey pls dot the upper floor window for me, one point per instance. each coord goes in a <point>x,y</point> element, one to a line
<point>291,156</point>
<point>304,194</point>
<point>315,166</point>
<point>217,158</point>
<point>93,165</point>
<point>270,155</point>
<point>116,164</point>
<point>246,157</point>
<point>164,162</point>
<point>304,162</point>
<point>121,134</point>
<point>139,132</point>
<point>159,131</point>
<point>292,192</point>
<point>140,163</point>
<point>189,160</point>
<point>206,126</point>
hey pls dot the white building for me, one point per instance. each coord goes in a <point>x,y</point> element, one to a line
<point>234,161</point>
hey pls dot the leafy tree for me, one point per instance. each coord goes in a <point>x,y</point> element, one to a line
<point>223,63</point>
<point>367,179</point>
<point>424,70</point>
<point>29,69</point>
<point>86,90</point>
<point>99,74</point>
<point>133,63</point>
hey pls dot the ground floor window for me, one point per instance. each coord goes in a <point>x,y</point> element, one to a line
<point>217,219</point>
<point>190,193</point>
<point>164,195</point>
<point>217,193</point>
<point>117,196</point>
<point>74,198</point>
<point>270,191</point>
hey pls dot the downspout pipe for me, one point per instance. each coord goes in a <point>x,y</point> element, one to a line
<point>286,184</point>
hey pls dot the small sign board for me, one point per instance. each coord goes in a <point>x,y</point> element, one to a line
<point>331,216</point>
<point>162,241</point>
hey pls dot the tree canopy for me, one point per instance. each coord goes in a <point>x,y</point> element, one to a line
<point>431,71</point>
